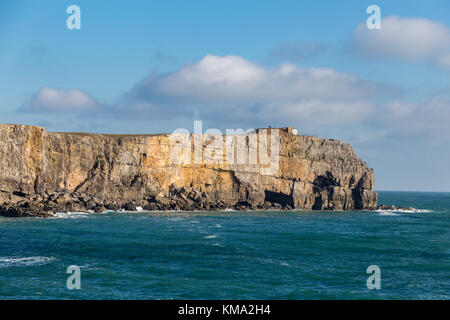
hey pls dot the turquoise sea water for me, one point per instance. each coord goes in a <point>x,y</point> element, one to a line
<point>232,255</point>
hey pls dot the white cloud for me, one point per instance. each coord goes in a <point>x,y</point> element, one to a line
<point>230,87</point>
<point>211,79</point>
<point>54,100</point>
<point>411,39</point>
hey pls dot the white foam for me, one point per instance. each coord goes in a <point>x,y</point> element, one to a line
<point>6,262</point>
<point>387,213</point>
<point>139,209</point>
<point>71,215</point>
<point>414,210</point>
<point>213,236</point>
<point>411,210</point>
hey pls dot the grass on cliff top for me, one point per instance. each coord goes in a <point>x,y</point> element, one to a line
<point>121,135</point>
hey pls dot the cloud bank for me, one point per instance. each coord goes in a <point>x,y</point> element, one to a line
<point>230,87</point>
<point>232,91</point>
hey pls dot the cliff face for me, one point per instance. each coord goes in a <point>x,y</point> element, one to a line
<point>43,172</point>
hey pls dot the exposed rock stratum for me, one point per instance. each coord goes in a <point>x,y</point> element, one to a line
<point>46,172</point>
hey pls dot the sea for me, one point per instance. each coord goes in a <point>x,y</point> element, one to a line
<point>389,254</point>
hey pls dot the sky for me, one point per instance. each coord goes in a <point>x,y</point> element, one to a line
<point>156,66</point>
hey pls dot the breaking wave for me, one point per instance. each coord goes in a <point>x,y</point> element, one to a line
<point>6,262</point>
<point>387,213</point>
<point>409,210</point>
<point>71,215</point>
<point>414,210</point>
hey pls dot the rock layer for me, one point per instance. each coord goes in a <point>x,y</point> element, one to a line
<point>46,172</point>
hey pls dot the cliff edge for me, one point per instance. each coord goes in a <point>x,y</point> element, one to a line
<point>46,172</point>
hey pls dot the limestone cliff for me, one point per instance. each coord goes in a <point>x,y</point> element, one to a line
<point>44,172</point>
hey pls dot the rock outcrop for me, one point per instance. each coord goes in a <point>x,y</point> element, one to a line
<point>45,172</point>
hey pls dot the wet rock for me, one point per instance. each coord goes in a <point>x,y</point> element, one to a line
<point>392,207</point>
<point>99,209</point>
<point>112,206</point>
<point>129,206</point>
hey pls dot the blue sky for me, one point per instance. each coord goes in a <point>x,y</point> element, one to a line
<point>154,66</point>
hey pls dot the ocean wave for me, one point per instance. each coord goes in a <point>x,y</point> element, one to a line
<point>6,262</point>
<point>411,210</point>
<point>387,213</point>
<point>71,215</point>
<point>213,236</point>
<point>414,210</point>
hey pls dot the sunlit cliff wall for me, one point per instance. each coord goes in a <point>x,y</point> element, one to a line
<point>43,172</point>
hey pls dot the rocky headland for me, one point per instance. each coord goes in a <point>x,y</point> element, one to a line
<point>46,172</point>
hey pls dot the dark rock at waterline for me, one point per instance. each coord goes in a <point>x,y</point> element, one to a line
<point>394,208</point>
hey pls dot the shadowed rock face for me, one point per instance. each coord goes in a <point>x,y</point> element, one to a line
<point>43,172</point>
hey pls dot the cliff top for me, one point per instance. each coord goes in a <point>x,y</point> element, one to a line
<point>120,135</point>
